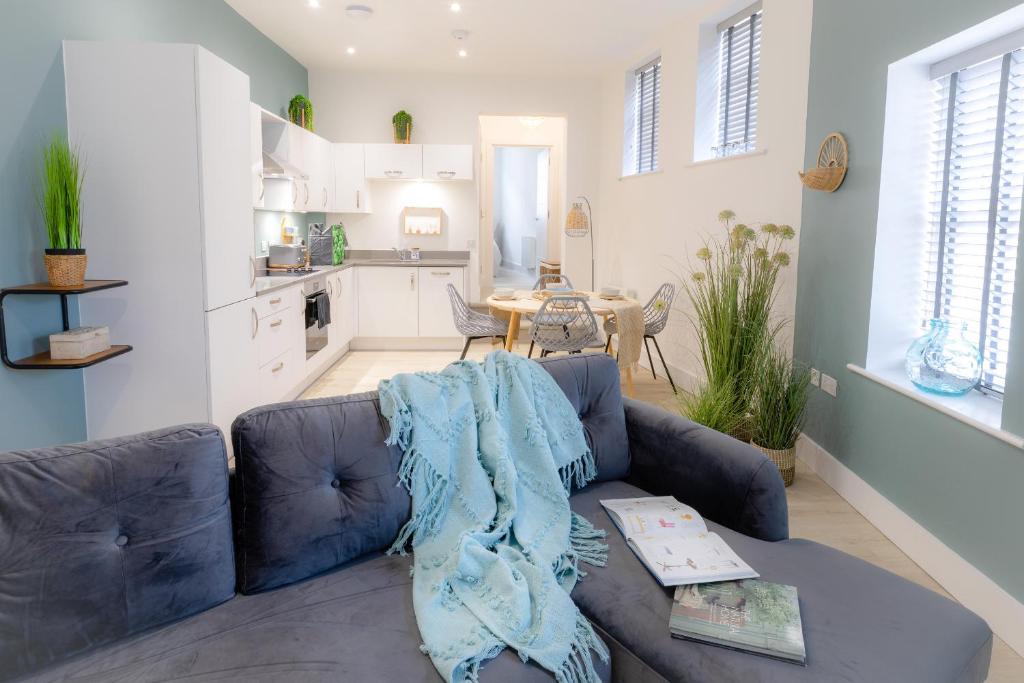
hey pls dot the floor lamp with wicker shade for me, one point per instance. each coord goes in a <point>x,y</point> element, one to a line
<point>580,224</point>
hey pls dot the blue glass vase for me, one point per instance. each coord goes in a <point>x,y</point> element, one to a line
<point>944,362</point>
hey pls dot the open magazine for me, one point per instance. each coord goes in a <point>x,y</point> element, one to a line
<point>673,542</point>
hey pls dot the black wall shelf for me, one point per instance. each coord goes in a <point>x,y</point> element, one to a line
<point>43,361</point>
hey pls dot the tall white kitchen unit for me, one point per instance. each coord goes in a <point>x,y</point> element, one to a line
<point>164,131</point>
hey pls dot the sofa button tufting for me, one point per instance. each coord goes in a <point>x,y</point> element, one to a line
<point>121,541</point>
<point>336,483</point>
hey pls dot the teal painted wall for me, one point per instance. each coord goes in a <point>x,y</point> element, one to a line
<point>46,407</point>
<point>962,485</point>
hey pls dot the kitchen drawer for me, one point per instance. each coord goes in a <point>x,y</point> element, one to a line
<point>268,304</point>
<point>273,334</point>
<point>278,377</point>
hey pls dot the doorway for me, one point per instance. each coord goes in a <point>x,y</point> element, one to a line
<point>520,219</point>
<point>522,188</point>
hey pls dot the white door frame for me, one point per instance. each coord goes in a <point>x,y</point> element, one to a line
<point>520,131</point>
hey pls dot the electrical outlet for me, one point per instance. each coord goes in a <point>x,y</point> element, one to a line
<point>816,377</point>
<point>264,246</point>
<point>470,244</point>
<point>829,385</point>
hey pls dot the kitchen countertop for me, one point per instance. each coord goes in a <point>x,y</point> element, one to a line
<point>266,284</point>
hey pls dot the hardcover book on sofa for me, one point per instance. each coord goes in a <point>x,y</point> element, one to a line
<point>748,615</point>
<point>673,542</point>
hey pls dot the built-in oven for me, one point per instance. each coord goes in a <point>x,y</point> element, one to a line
<point>318,315</point>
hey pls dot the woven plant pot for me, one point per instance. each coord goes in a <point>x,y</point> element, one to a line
<point>65,267</point>
<point>784,459</point>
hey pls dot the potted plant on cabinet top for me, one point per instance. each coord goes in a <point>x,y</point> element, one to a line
<point>778,410</point>
<point>60,200</point>
<point>300,112</point>
<point>402,122</point>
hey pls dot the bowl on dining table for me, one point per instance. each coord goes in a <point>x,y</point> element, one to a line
<point>610,291</point>
<point>504,292</point>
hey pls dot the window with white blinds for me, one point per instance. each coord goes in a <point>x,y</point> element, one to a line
<point>644,121</point>
<point>738,75</point>
<point>974,205</point>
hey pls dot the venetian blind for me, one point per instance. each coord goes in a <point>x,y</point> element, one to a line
<point>739,66</point>
<point>646,117</point>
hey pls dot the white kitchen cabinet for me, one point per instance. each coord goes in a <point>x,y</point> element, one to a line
<point>341,286</point>
<point>351,191</point>
<point>256,154</point>
<point>394,162</point>
<point>388,301</point>
<point>285,143</point>
<point>316,159</point>
<point>233,362</point>
<point>224,159</point>
<point>278,377</point>
<point>281,194</point>
<point>448,162</point>
<point>435,309</point>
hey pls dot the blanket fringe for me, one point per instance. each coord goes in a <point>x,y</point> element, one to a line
<point>578,472</point>
<point>430,511</point>
<point>578,666</point>
<point>585,543</point>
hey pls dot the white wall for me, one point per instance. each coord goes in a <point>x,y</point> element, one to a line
<point>357,107</point>
<point>648,227</point>
<point>515,202</point>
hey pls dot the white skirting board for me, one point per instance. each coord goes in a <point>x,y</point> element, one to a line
<point>964,581</point>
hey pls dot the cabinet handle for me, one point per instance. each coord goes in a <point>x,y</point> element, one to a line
<point>274,302</point>
<point>330,288</point>
<point>306,187</point>
<point>255,323</point>
<point>412,280</point>
<point>278,367</point>
<point>446,174</point>
<point>440,272</point>
<point>295,194</point>
<point>276,323</point>
<point>252,271</point>
<point>325,197</point>
<point>263,188</point>
<point>393,174</point>
<point>357,199</point>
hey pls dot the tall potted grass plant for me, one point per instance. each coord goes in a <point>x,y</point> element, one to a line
<point>778,410</point>
<point>60,200</point>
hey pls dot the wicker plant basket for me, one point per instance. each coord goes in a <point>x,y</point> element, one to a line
<point>826,179</point>
<point>833,160</point>
<point>784,459</point>
<point>65,267</point>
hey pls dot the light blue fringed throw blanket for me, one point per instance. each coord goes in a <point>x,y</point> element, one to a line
<point>490,450</point>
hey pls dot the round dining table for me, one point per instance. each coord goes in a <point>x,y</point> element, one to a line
<point>525,303</point>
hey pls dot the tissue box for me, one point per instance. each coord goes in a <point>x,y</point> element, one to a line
<point>79,343</point>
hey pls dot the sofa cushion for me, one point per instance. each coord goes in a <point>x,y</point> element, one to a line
<point>591,383</point>
<point>355,624</point>
<point>861,623</point>
<point>102,540</point>
<point>314,487</point>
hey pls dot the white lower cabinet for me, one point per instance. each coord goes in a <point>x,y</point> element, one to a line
<point>388,301</point>
<point>234,360</point>
<point>342,290</point>
<point>435,310</point>
<point>280,375</point>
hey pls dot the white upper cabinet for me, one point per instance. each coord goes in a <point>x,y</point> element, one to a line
<point>256,154</point>
<point>224,170</point>
<point>316,160</point>
<point>448,162</point>
<point>351,193</point>
<point>394,162</point>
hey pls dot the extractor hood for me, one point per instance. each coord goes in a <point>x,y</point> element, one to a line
<point>274,167</point>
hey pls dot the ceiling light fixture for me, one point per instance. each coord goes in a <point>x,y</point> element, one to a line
<point>358,12</point>
<point>463,53</point>
<point>455,7</point>
<point>350,50</point>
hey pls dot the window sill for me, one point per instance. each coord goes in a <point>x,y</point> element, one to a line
<point>731,157</point>
<point>640,175</point>
<point>982,412</point>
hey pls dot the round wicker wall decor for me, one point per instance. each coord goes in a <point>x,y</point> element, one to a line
<point>833,160</point>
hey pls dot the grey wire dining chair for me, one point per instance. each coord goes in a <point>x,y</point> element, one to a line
<point>473,325</point>
<point>564,323</point>
<point>556,279</point>
<point>655,318</point>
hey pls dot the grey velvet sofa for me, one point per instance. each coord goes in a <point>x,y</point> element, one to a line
<point>120,560</point>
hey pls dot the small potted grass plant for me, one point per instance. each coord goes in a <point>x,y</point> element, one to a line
<point>60,200</point>
<point>777,411</point>
<point>300,112</point>
<point>402,122</point>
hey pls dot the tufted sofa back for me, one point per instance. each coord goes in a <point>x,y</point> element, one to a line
<point>102,540</point>
<point>315,486</point>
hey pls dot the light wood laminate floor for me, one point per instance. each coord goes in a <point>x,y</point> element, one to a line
<point>815,510</point>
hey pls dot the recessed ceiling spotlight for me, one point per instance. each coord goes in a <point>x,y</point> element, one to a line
<point>463,53</point>
<point>460,34</point>
<point>350,50</point>
<point>358,12</point>
<point>455,7</point>
<point>315,4</point>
